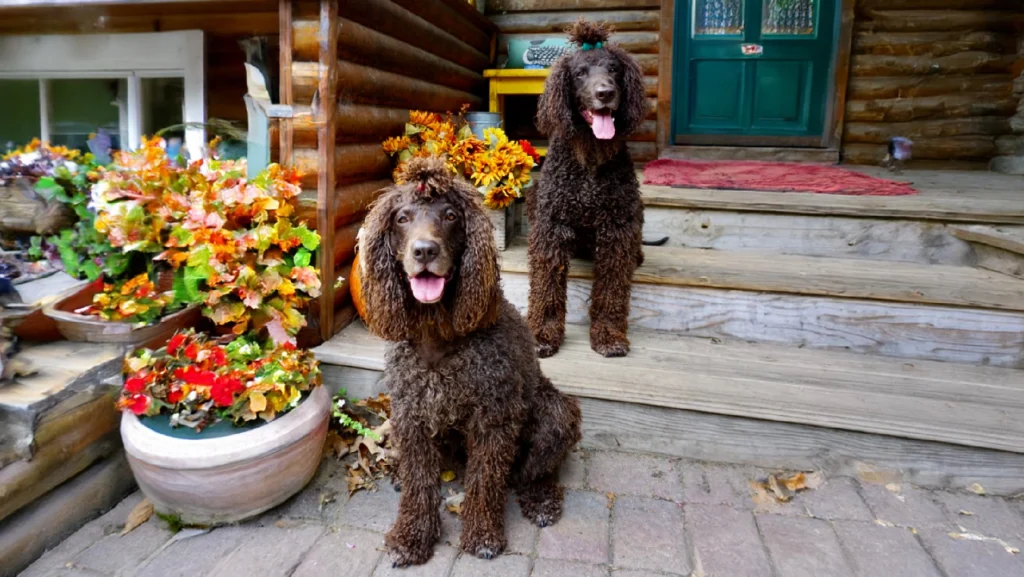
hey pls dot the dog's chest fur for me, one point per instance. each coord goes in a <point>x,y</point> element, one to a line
<point>585,194</point>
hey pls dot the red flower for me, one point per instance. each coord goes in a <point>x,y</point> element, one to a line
<point>137,404</point>
<point>195,376</point>
<point>174,396</point>
<point>192,351</point>
<point>224,389</point>
<point>529,149</point>
<point>175,343</point>
<point>288,346</point>
<point>135,385</point>
<point>217,357</point>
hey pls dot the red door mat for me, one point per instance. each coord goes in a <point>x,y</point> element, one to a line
<point>770,176</point>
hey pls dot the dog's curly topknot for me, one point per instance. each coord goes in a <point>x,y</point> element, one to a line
<point>429,174</point>
<point>584,31</point>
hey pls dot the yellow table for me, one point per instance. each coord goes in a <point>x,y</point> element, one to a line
<point>516,82</point>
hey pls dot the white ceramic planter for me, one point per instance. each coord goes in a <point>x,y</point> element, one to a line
<point>228,479</point>
<point>502,221</point>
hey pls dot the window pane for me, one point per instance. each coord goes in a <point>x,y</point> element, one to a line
<point>162,105</point>
<point>83,106</point>
<point>788,17</point>
<point>718,17</point>
<point>19,121</point>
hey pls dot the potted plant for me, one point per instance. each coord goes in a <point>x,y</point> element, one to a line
<point>22,208</point>
<point>220,430</point>
<point>498,167</point>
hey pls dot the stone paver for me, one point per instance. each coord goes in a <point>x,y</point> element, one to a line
<point>803,547</point>
<point>503,566</point>
<point>907,507</point>
<point>556,568</point>
<point>648,534</point>
<point>582,532</point>
<point>631,474</point>
<point>875,550</point>
<point>350,552</point>
<point>696,519</point>
<point>962,558</point>
<point>725,541</point>
<point>270,552</point>
<point>440,565</point>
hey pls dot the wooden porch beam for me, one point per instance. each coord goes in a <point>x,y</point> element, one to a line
<point>328,91</point>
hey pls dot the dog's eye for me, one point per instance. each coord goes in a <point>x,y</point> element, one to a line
<point>450,216</point>
<point>402,219</point>
<point>581,72</point>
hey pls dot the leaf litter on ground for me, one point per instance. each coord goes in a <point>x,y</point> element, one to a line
<point>360,435</point>
<point>781,487</point>
<point>139,515</point>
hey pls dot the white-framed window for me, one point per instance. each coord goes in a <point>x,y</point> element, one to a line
<point>61,88</point>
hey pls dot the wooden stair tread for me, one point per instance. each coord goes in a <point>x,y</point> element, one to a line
<point>959,404</point>
<point>837,277</point>
<point>1009,238</point>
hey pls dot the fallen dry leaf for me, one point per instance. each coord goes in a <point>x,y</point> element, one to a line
<point>447,476</point>
<point>977,489</point>
<point>965,513</point>
<point>781,488</point>
<point>611,499</point>
<point>139,515</point>
<point>894,487</point>
<point>454,502</point>
<point>869,474</point>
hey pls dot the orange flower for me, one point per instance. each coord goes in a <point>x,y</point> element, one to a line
<point>500,197</point>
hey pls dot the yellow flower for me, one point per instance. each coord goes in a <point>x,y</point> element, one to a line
<point>500,197</point>
<point>396,143</point>
<point>424,118</point>
<point>495,136</point>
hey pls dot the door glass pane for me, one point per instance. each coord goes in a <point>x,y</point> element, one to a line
<point>163,105</point>
<point>718,17</point>
<point>19,119</point>
<point>788,17</point>
<point>82,107</point>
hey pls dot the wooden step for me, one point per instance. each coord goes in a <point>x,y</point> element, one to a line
<point>970,406</point>
<point>844,278</point>
<point>997,248</point>
<point>765,153</point>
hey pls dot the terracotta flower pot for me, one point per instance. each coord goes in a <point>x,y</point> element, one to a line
<point>213,481</point>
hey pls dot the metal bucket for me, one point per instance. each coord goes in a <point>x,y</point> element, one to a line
<point>479,121</point>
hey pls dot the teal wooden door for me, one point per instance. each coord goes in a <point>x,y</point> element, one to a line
<point>753,72</point>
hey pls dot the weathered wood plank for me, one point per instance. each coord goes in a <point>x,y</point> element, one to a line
<point>556,22</point>
<point>360,84</point>
<point>868,88</point>
<point>845,278</point>
<point>1010,238</point>
<point>999,260</point>
<point>947,149</point>
<point>968,104</point>
<point>632,42</point>
<point>285,126</point>
<point>955,335</point>
<point>882,132</point>
<point>971,63</point>
<point>934,20</point>
<point>326,170</point>
<point>930,4</point>
<point>933,44</point>
<point>391,19</point>
<point>499,6</point>
<point>663,114</point>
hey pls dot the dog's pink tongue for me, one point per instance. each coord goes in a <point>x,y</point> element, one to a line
<point>427,289</point>
<point>603,125</point>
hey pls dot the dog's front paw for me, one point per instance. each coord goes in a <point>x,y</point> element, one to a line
<point>608,342</point>
<point>619,349</point>
<point>542,505</point>
<point>484,545</point>
<point>409,547</point>
<point>545,350</point>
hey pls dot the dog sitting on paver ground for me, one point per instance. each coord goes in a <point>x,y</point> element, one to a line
<point>462,361</point>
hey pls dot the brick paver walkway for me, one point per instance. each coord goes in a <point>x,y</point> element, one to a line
<point>626,515</point>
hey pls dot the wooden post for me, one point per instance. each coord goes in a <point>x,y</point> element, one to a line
<point>666,48</point>
<point>285,85</point>
<point>327,117</point>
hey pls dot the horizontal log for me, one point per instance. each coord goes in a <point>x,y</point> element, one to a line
<point>444,17</point>
<point>642,151</point>
<point>345,244</point>
<point>352,163</point>
<point>499,6</point>
<point>651,84</point>
<point>355,123</point>
<point>358,84</point>
<point>352,201</point>
<point>933,44</point>
<point>362,45</point>
<point>965,104</point>
<point>343,292</point>
<point>389,18</point>
<point>652,108</point>
<point>930,4</point>
<point>933,20</point>
<point>241,23</point>
<point>649,64</point>
<point>645,133</point>
<point>910,87</point>
<point>557,22</point>
<point>881,133</point>
<point>946,149</point>
<point>962,63</point>
<point>632,42</point>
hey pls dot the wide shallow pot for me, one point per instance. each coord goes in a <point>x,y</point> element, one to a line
<point>212,481</point>
<point>90,329</point>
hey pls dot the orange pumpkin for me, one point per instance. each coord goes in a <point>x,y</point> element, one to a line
<point>355,285</point>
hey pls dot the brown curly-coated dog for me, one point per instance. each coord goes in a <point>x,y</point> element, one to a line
<point>463,361</point>
<point>588,200</point>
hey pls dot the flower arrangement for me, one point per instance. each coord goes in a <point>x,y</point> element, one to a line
<point>199,381</point>
<point>232,241</point>
<point>37,159</point>
<point>498,167</point>
<point>135,300</point>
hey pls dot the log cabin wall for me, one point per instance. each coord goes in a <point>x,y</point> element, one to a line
<point>357,68</point>
<point>934,71</point>
<point>637,25</point>
<point>224,22</point>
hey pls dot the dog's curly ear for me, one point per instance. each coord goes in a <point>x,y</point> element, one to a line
<point>381,274</point>
<point>556,104</point>
<point>476,296</point>
<point>634,101</point>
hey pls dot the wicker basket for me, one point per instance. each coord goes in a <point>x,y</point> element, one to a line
<point>23,211</point>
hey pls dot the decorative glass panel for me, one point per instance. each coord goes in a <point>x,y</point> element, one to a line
<point>788,17</point>
<point>718,18</point>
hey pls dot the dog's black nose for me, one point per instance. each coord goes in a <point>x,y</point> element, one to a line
<point>605,94</point>
<point>425,251</point>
